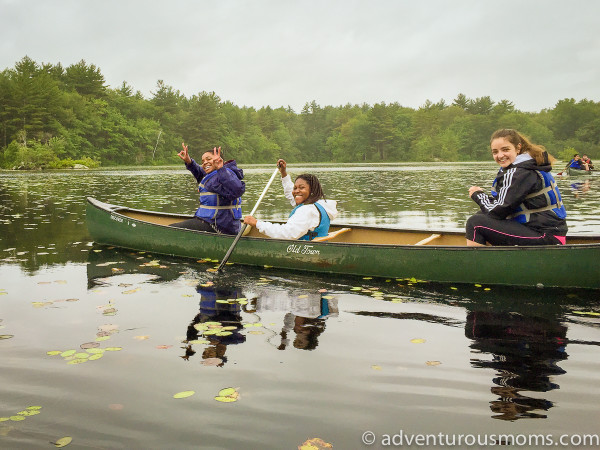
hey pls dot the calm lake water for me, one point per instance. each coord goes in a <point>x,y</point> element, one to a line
<point>95,342</point>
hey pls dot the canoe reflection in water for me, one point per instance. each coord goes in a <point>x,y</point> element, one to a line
<point>306,312</point>
<point>525,351</point>
<point>226,314</point>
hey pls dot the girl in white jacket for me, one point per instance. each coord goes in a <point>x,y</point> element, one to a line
<point>311,215</point>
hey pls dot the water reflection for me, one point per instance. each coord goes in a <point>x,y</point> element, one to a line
<point>524,353</point>
<point>519,334</point>
<point>580,188</point>
<point>219,322</point>
<point>517,337</point>
<point>305,314</point>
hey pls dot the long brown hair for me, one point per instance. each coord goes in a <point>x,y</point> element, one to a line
<point>537,152</point>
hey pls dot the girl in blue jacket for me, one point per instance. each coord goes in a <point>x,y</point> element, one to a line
<point>221,187</point>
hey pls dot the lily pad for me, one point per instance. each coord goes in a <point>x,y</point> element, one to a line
<point>95,351</point>
<point>77,361</point>
<point>227,395</point>
<point>315,444</point>
<point>63,441</point>
<point>89,345</point>
<point>184,394</point>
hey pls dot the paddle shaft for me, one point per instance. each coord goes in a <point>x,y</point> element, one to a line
<point>239,235</point>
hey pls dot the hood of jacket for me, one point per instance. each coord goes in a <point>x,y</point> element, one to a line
<point>526,161</point>
<point>232,165</point>
<point>330,207</point>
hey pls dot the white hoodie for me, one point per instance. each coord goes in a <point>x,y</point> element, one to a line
<point>305,219</point>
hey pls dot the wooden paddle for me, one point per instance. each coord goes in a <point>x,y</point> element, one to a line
<point>243,227</point>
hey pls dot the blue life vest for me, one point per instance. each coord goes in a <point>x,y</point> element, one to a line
<point>210,204</point>
<point>550,194</point>
<point>576,164</point>
<point>322,229</point>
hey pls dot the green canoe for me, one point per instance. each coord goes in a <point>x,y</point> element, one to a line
<point>440,256</point>
<point>579,172</point>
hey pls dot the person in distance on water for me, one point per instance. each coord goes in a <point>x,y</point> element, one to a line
<point>525,206</point>
<point>311,215</point>
<point>577,163</point>
<point>221,187</point>
<point>586,160</point>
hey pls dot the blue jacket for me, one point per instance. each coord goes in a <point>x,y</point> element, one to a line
<point>220,196</point>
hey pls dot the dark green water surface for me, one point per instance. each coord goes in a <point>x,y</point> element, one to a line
<point>310,356</point>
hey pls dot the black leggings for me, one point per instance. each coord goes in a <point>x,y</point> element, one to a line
<point>483,229</point>
<point>195,224</point>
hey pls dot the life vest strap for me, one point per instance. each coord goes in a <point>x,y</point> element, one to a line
<point>219,207</point>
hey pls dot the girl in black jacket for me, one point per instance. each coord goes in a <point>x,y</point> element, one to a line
<point>525,206</point>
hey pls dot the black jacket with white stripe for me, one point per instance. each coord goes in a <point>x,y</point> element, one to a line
<point>513,189</point>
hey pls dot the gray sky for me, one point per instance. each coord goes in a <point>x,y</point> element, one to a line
<point>284,52</point>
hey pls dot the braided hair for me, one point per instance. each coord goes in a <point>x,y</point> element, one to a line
<point>316,191</point>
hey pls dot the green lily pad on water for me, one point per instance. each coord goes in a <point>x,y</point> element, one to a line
<point>63,442</point>
<point>184,394</point>
<point>227,395</point>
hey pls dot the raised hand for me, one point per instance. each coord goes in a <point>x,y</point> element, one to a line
<point>281,165</point>
<point>183,154</point>
<point>217,159</point>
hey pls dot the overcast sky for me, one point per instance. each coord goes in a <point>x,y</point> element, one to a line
<point>284,52</point>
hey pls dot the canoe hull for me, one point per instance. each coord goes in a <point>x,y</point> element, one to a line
<point>552,266</point>
<point>579,173</point>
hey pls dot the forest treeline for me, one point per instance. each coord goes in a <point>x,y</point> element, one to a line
<point>53,117</point>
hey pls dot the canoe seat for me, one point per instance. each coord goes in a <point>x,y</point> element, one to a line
<point>427,240</point>
<point>331,235</point>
